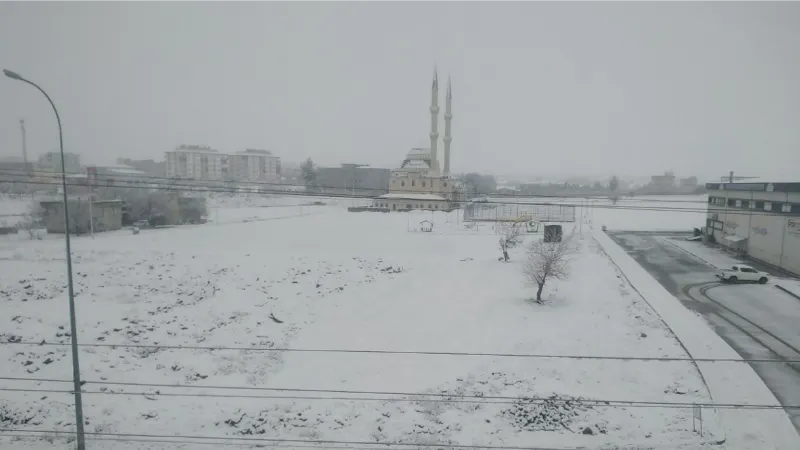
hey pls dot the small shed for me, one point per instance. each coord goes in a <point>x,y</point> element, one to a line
<point>106,215</point>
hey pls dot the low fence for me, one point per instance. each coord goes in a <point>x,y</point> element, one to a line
<point>496,212</point>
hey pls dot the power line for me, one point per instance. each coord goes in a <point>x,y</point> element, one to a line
<point>114,177</point>
<point>502,400</point>
<point>222,189</point>
<point>383,445</point>
<point>221,443</point>
<point>177,186</point>
<point>412,352</point>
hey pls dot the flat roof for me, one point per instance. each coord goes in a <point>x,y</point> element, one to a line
<point>760,186</point>
<point>412,197</point>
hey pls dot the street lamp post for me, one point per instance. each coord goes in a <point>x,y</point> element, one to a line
<point>76,371</point>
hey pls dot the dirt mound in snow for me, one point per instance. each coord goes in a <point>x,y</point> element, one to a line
<point>551,414</point>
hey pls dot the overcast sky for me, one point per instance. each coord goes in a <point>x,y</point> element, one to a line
<point>541,88</point>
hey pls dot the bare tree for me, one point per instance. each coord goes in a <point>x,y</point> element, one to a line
<point>613,185</point>
<point>511,235</point>
<point>32,220</point>
<point>548,260</point>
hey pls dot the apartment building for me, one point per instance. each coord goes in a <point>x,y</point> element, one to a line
<point>51,162</point>
<point>196,162</point>
<point>255,165</point>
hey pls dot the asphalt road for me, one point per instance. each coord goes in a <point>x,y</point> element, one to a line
<point>758,321</point>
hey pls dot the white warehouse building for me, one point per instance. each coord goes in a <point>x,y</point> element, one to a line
<point>761,220</point>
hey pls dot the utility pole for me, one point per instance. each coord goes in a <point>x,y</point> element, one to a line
<point>73,327</point>
<point>24,147</point>
<point>91,216</point>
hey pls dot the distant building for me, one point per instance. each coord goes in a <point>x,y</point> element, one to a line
<point>18,167</point>
<point>120,175</point>
<point>148,166</point>
<point>51,162</point>
<point>666,181</point>
<point>761,220</point>
<point>106,214</point>
<point>689,182</point>
<point>196,162</point>
<point>353,179</point>
<point>255,165</point>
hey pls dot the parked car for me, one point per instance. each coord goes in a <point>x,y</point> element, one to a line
<point>141,224</point>
<point>742,273</point>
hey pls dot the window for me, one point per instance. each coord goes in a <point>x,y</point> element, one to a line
<point>408,206</point>
<point>423,183</point>
<point>437,206</point>
<point>738,203</point>
<point>710,200</point>
<point>748,270</point>
<point>402,183</point>
<point>735,269</point>
<point>751,204</point>
<point>413,182</point>
<point>444,184</point>
<point>767,206</point>
<point>787,208</point>
<point>430,207</point>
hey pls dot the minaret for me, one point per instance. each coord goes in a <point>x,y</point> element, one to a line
<point>435,122</point>
<point>448,116</point>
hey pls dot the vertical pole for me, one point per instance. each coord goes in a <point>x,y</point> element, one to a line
<point>24,147</point>
<point>73,327</point>
<point>730,177</point>
<point>91,217</point>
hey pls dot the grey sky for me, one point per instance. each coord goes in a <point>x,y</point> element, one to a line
<point>548,88</point>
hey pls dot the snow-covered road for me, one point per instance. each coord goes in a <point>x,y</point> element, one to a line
<point>758,321</point>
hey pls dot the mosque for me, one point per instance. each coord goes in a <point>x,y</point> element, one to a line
<point>420,182</point>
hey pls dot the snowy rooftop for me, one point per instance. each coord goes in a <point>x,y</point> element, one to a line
<point>121,169</point>
<point>412,197</point>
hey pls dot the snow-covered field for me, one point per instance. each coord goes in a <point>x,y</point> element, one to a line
<point>321,278</point>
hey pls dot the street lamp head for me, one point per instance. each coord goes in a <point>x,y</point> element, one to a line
<point>11,74</point>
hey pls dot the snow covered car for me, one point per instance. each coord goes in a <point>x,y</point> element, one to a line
<point>742,273</point>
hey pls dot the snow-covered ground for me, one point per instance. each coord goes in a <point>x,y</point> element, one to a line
<point>322,278</point>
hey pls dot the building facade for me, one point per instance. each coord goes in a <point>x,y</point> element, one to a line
<point>100,215</point>
<point>761,220</point>
<point>196,162</point>
<point>353,179</point>
<point>255,165</point>
<point>51,162</point>
<point>665,182</point>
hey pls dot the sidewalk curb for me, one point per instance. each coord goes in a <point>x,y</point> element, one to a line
<point>787,291</point>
